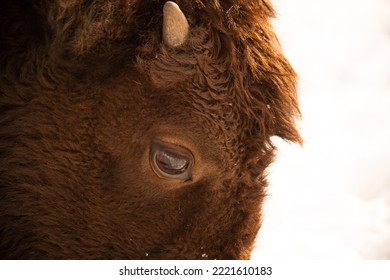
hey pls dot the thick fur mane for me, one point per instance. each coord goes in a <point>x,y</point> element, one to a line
<point>229,41</point>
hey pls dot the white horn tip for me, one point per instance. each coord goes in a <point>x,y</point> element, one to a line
<point>175,25</point>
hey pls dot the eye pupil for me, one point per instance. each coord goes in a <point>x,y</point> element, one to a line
<point>171,163</point>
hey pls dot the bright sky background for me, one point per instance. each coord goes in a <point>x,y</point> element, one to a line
<point>330,199</point>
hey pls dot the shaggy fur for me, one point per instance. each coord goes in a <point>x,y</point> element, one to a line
<point>87,85</point>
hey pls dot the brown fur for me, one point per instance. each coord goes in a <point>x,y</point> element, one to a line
<point>86,86</point>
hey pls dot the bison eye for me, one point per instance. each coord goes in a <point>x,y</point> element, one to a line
<point>171,162</point>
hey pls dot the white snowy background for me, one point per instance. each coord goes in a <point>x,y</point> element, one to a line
<point>330,199</point>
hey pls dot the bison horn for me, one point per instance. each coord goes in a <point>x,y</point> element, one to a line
<point>175,25</point>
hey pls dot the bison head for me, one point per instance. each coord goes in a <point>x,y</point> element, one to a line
<point>137,129</point>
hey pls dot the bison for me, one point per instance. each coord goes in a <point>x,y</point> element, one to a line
<point>138,129</point>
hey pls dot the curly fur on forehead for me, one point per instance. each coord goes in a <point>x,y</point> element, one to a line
<point>232,51</point>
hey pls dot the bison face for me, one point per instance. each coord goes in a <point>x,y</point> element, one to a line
<point>168,184</point>
<point>125,136</point>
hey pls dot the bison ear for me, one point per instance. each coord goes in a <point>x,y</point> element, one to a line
<point>175,25</point>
